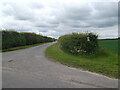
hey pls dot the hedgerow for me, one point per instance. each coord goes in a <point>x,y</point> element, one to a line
<point>79,43</point>
<point>14,39</point>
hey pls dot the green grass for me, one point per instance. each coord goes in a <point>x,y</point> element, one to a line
<point>111,45</point>
<point>21,47</point>
<point>104,62</point>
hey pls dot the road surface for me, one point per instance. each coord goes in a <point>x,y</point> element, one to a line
<point>29,68</point>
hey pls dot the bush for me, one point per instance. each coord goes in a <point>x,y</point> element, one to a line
<point>79,43</point>
<point>14,39</point>
<point>0,40</point>
<point>9,39</point>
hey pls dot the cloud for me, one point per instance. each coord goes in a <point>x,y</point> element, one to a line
<point>58,17</point>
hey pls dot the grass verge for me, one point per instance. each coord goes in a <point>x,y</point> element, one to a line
<point>106,64</point>
<point>21,47</point>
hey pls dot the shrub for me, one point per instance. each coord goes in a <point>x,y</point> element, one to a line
<point>14,39</point>
<point>79,43</point>
<point>0,40</point>
<point>9,39</point>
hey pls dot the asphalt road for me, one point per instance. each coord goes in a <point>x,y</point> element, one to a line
<point>29,68</point>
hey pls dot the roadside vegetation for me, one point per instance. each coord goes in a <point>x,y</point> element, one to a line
<point>12,40</point>
<point>104,60</point>
<point>79,44</point>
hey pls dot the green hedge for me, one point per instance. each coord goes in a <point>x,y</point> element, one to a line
<point>79,43</point>
<point>0,40</point>
<point>14,39</point>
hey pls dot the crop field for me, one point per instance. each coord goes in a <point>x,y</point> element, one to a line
<point>111,45</point>
<point>104,62</point>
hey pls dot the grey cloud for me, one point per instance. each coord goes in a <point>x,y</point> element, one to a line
<point>46,26</point>
<point>20,11</point>
<point>56,18</point>
<point>106,10</point>
<point>105,15</point>
<point>79,13</point>
<point>36,5</point>
<point>104,22</point>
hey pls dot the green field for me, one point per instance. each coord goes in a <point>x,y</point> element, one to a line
<point>111,45</point>
<point>104,62</point>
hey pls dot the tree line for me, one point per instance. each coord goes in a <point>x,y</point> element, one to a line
<point>12,39</point>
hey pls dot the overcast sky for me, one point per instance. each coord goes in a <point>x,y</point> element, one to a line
<point>58,17</point>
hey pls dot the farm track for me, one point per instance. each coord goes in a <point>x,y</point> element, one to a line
<point>29,68</point>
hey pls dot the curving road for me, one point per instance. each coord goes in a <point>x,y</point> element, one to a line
<point>29,68</point>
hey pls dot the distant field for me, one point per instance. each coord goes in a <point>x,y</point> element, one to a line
<point>111,45</point>
<point>105,62</point>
